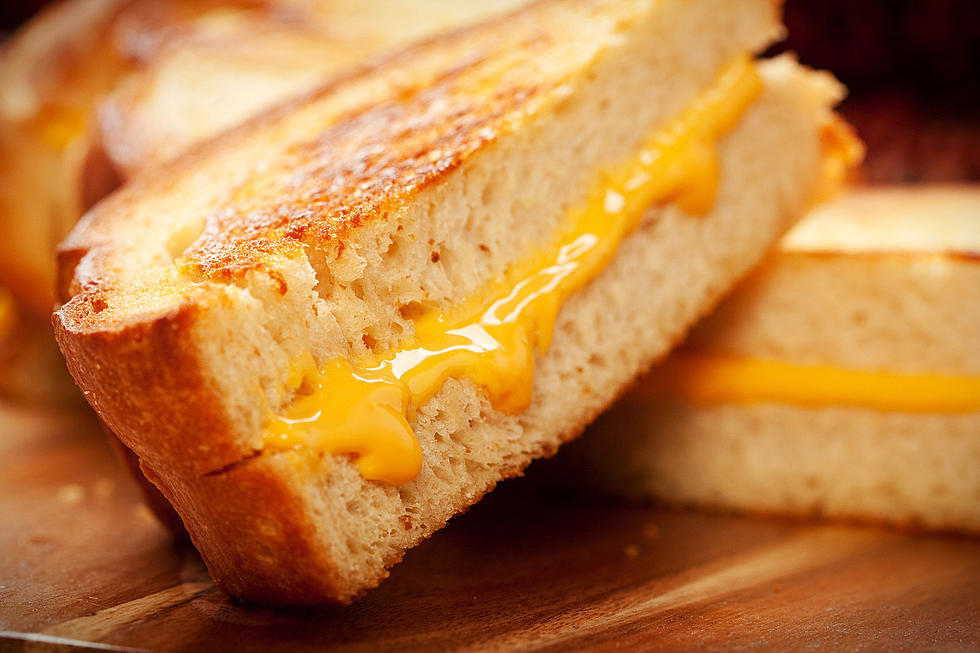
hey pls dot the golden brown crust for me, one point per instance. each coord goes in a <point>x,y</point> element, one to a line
<point>373,162</point>
<point>128,392</point>
<point>364,167</point>
<point>273,556</point>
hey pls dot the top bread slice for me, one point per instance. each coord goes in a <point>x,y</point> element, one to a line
<point>94,92</point>
<point>320,227</point>
<point>897,267</point>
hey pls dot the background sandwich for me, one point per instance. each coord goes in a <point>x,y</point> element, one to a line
<point>842,379</point>
<point>327,332</point>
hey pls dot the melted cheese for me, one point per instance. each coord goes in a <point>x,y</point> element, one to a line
<point>62,127</point>
<point>715,378</point>
<point>364,410</point>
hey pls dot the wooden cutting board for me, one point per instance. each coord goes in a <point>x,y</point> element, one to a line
<point>84,566</point>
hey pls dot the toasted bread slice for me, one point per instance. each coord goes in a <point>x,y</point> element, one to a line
<point>842,379</point>
<point>328,232</point>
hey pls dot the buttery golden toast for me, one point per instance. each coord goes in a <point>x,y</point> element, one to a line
<point>94,92</point>
<point>333,328</point>
<point>841,379</point>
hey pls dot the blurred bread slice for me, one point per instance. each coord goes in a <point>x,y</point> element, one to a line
<point>234,62</point>
<point>32,370</point>
<point>327,229</point>
<point>52,73</point>
<point>856,347</point>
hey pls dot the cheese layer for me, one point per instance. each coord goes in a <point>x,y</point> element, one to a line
<point>717,378</point>
<point>363,409</point>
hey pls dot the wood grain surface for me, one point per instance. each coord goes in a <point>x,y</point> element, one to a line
<point>83,565</point>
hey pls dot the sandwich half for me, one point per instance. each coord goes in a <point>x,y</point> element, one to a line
<point>842,379</point>
<point>327,332</point>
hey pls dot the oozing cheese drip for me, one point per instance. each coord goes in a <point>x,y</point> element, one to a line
<point>364,409</point>
<point>714,378</point>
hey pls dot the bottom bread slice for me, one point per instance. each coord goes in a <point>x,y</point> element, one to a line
<point>903,469</point>
<point>300,526</point>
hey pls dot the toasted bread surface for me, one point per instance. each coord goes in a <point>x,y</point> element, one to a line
<point>232,287</point>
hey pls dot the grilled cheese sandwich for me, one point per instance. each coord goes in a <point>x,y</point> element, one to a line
<point>276,294</point>
<point>842,379</point>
